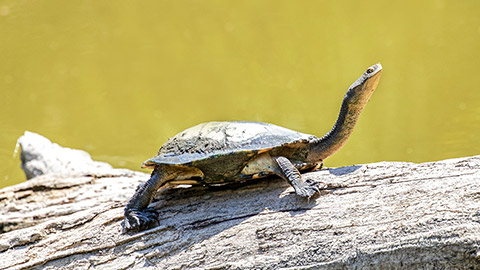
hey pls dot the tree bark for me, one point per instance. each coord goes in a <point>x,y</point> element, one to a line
<point>383,215</point>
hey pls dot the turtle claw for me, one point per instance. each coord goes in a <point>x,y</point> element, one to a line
<point>308,189</point>
<point>140,220</point>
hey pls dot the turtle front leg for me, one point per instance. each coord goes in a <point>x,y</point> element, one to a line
<point>288,172</point>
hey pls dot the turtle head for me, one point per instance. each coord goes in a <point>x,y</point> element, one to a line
<point>362,89</point>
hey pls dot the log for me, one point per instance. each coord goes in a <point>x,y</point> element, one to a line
<point>384,215</point>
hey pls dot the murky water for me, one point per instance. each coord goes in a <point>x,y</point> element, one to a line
<point>118,79</point>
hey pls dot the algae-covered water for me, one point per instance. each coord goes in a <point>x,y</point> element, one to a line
<point>118,78</point>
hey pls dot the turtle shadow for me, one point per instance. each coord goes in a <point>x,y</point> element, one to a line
<point>302,204</point>
<point>285,201</point>
<point>343,170</point>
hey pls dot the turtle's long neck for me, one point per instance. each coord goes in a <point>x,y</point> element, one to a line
<point>338,136</point>
<point>353,103</point>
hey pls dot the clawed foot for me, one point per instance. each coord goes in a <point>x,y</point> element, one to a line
<point>307,189</point>
<point>139,220</point>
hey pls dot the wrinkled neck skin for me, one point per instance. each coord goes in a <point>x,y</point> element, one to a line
<point>353,103</point>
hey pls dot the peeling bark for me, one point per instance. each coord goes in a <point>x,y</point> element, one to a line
<point>381,215</point>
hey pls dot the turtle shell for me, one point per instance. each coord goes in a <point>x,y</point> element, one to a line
<point>212,140</point>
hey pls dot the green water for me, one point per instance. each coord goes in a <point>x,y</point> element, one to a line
<point>118,78</point>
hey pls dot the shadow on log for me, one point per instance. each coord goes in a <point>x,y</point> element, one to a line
<point>381,215</point>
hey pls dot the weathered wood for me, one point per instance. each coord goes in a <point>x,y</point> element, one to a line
<point>381,215</point>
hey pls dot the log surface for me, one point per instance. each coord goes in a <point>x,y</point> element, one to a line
<point>380,215</point>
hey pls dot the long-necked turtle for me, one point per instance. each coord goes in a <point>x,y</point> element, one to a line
<point>225,152</point>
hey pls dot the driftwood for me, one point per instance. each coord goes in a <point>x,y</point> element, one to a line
<point>381,215</point>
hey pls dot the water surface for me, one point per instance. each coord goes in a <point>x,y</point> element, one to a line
<point>118,79</point>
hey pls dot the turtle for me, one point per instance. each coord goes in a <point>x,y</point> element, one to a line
<point>219,153</point>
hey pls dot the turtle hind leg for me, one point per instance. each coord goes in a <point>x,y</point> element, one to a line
<point>140,220</point>
<point>288,172</point>
<point>138,216</point>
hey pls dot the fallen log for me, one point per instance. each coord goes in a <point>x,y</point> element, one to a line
<point>380,215</point>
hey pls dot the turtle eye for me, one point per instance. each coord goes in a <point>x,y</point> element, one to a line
<point>370,70</point>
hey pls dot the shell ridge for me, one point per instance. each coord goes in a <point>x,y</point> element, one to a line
<point>213,139</point>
